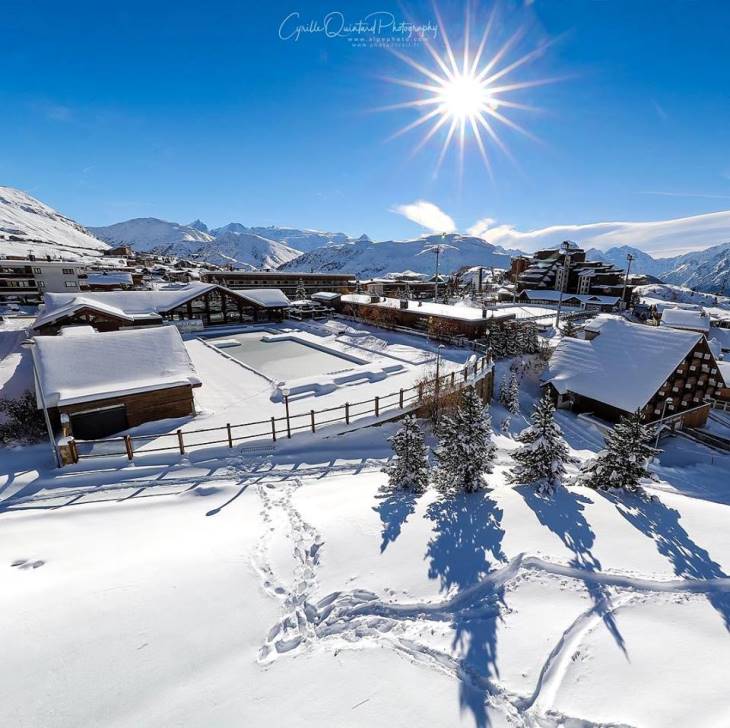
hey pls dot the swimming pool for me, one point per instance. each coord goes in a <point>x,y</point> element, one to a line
<point>281,360</point>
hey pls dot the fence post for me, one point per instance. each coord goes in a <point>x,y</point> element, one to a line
<point>128,446</point>
<point>400,398</point>
<point>180,442</point>
<point>420,392</point>
<point>288,424</point>
<point>377,406</point>
<point>230,438</point>
<point>311,414</point>
<point>273,428</point>
<point>466,374</point>
<point>453,374</point>
<point>347,413</point>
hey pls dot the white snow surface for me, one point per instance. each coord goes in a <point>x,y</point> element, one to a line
<point>80,366</point>
<point>623,366</point>
<point>679,318</point>
<point>39,229</point>
<point>288,588</point>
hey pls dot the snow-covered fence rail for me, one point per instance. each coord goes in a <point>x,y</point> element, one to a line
<point>361,414</point>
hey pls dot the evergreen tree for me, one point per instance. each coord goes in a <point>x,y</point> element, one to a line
<point>466,451</point>
<point>409,469</point>
<point>301,293</point>
<point>569,329</point>
<point>543,453</point>
<point>504,391</point>
<point>623,462</point>
<point>533,343</point>
<point>511,397</point>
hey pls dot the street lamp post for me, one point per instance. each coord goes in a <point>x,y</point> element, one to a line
<point>629,258</point>
<point>566,268</point>
<point>437,384</point>
<point>30,345</point>
<point>667,401</point>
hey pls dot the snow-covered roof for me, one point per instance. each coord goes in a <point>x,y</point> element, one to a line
<point>264,297</point>
<point>722,336</point>
<point>623,366</point>
<point>724,369</point>
<point>136,305</point>
<point>109,279</point>
<point>325,296</point>
<point>88,366</point>
<point>459,311</point>
<point>552,295</point>
<point>680,318</point>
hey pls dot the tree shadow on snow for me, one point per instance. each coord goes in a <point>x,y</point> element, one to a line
<point>465,548</point>
<point>661,523</point>
<point>562,513</point>
<point>394,508</point>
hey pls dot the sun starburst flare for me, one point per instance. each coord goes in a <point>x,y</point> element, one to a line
<point>467,97</point>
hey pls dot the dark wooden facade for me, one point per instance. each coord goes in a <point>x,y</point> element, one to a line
<point>158,404</point>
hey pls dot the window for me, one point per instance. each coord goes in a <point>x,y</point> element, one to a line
<point>41,284</point>
<point>70,284</point>
<point>37,271</point>
<point>68,271</point>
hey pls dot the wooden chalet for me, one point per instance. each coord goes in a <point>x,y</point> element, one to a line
<point>621,367</point>
<point>208,303</point>
<point>96,384</point>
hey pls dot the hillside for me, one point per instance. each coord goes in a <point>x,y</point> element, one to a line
<point>29,226</point>
<point>367,259</point>
<point>302,240</point>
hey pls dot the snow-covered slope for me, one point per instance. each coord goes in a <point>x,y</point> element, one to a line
<point>247,249</point>
<point>365,258</point>
<point>643,262</point>
<point>680,294</point>
<point>29,226</point>
<point>303,240</point>
<point>706,270</point>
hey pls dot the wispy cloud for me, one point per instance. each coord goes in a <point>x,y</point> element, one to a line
<point>703,195</point>
<point>660,237</point>
<point>427,215</point>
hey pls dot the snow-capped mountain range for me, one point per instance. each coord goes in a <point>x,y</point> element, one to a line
<point>367,259</point>
<point>705,270</point>
<point>29,226</point>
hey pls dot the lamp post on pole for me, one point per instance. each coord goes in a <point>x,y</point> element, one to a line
<point>437,383</point>
<point>30,345</point>
<point>667,401</point>
<point>629,258</point>
<point>563,281</point>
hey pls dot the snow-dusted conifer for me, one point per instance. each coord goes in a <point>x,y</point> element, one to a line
<point>466,451</point>
<point>569,329</point>
<point>623,462</point>
<point>543,453</point>
<point>409,469</point>
<point>504,391</point>
<point>301,292</point>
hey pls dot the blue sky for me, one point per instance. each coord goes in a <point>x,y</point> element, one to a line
<point>185,110</point>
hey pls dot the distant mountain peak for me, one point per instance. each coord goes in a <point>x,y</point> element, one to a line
<point>198,224</point>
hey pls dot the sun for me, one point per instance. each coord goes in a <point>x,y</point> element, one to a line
<point>464,97</point>
<point>469,96</point>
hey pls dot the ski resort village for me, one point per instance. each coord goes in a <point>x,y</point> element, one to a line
<point>226,491</point>
<point>365,366</point>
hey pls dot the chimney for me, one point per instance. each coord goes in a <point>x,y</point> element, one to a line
<point>404,303</point>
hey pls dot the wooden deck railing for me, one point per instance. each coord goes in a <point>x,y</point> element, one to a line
<point>380,408</point>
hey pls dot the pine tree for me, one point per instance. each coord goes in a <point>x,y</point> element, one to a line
<point>543,453</point>
<point>509,396</point>
<point>623,462</point>
<point>569,329</point>
<point>533,343</point>
<point>466,451</point>
<point>409,469</point>
<point>301,293</point>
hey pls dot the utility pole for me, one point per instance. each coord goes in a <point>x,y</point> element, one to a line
<point>629,258</point>
<point>566,268</point>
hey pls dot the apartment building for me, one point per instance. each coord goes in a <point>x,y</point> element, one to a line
<point>25,281</point>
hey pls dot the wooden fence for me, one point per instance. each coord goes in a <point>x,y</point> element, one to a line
<point>379,408</point>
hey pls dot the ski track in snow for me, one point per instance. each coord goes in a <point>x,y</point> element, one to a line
<point>359,618</point>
